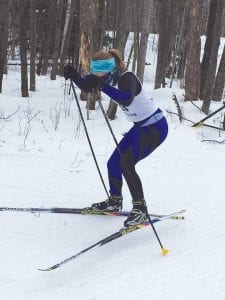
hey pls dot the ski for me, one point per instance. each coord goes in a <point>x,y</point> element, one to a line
<point>65,210</point>
<point>123,231</point>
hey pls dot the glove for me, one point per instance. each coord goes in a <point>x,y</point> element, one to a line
<point>70,72</point>
<point>93,82</point>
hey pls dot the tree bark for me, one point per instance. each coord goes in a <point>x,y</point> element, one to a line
<point>88,20</point>
<point>192,72</point>
<point>220,80</point>
<point>32,45</point>
<point>23,47</point>
<point>3,37</point>
<point>145,26</point>
<point>58,25</point>
<point>162,7</point>
<point>66,33</point>
<point>209,61</point>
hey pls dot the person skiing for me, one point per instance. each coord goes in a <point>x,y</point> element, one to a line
<point>149,130</point>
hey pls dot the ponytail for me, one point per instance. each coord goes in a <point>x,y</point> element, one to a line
<point>116,54</point>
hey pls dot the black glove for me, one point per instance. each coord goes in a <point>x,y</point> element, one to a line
<point>70,72</point>
<point>93,82</point>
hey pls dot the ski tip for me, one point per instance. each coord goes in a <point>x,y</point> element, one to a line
<point>165,251</point>
<point>44,270</point>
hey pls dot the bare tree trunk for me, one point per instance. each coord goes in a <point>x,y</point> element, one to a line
<point>162,17</point>
<point>220,80</point>
<point>32,45</point>
<point>88,20</point>
<point>23,47</point>
<point>124,8</point>
<point>3,37</point>
<point>147,4</point>
<point>192,72</point>
<point>58,25</point>
<point>209,61</point>
<point>66,33</point>
<point>48,36</point>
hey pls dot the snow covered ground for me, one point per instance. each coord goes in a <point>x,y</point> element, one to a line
<point>45,161</point>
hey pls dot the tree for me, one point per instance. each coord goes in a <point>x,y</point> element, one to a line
<point>23,47</point>
<point>71,4</point>
<point>145,27</point>
<point>32,45</point>
<point>3,37</point>
<point>88,20</point>
<point>192,71</point>
<point>164,20</point>
<point>220,80</point>
<point>209,61</point>
<point>57,25</point>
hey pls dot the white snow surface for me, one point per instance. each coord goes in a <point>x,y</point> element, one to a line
<point>44,167</point>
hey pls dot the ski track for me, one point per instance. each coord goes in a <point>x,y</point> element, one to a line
<point>58,170</point>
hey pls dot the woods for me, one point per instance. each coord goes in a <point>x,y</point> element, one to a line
<point>44,35</point>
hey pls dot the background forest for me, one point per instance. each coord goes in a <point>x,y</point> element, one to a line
<point>177,49</point>
<point>43,35</point>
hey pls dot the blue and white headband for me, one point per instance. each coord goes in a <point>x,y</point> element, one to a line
<point>102,65</point>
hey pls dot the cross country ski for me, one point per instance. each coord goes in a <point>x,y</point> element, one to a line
<point>123,231</point>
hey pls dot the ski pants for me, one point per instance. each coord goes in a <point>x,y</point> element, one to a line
<point>137,143</point>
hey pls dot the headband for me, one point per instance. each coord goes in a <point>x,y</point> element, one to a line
<point>103,65</point>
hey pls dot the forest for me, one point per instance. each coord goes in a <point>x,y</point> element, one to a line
<point>42,36</point>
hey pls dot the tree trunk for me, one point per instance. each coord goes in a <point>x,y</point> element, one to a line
<point>145,26</point>
<point>209,61</point>
<point>3,37</point>
<point>32,45</point>
<point>220,80</point>
<point>23,47</point>
<point>162,8</point>
<point>58,25</point>
<point>48,36</point>
<point>88,20</point>
<point>192,72</point>
<point>123,25</point>
<point>66,33</point>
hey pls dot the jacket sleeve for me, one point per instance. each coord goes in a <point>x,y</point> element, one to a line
<point>82,84</point>
<point>128,87</point>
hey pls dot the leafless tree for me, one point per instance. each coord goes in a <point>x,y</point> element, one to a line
<point>220,80</point>
<point>3,37</point>
<point>23,46</point>
<point>209,61</point>
<point>192,72</point>
<point>32,45</point>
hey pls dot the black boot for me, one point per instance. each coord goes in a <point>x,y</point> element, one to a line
<point>114,203</point>
<point>137,215</point>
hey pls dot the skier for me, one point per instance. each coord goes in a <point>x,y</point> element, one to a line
<point>149,130</point>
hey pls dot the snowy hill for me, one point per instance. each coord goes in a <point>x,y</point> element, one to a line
<point>45,161</point>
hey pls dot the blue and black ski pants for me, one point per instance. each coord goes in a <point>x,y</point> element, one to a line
<point>137,143</point>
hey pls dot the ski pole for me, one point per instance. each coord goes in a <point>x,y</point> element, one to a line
<point>164,250</point>
<point>88,138</point>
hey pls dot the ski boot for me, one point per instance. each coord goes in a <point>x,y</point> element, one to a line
<point>114,203</point>
<point>137,215</point>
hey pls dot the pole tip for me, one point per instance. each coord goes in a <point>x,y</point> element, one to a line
<point>165,251</point>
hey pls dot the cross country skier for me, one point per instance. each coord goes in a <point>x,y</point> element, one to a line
<point>149,128</point>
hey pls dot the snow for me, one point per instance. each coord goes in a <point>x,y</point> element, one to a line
<point>46,162</point>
